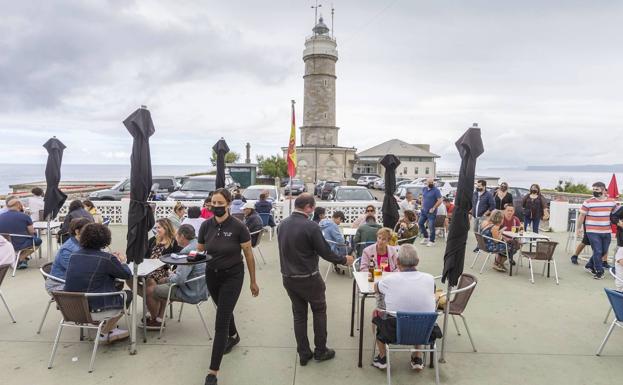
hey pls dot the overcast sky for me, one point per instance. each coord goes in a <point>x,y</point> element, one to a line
<point>542,78</point>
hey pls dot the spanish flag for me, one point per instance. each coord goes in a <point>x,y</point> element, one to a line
<point>292,148</point>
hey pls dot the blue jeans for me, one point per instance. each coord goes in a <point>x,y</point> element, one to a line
<point>425,216</point>
<point>600,243</point>
<point>535,223</point>
<point>20,243</point>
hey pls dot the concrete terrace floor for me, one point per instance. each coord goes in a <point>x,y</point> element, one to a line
<point>525,333</point>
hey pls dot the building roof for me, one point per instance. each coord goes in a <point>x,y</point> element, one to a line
<point>398,148</point>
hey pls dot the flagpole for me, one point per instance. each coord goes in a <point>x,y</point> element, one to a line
<point>289,160</point>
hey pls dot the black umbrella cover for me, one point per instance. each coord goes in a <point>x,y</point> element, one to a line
<point>470,148</point>
<point>140,216</point>
<point>221,149</point>
<point>54,197</point>
<point>390,206</point>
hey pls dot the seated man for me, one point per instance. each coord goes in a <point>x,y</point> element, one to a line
<point>410,291</point>
<point>331,232</point>
<point>91,270</point>
<point>366,233</point>
<point>193,292</point>
<point>253,221</point>
<point>14,221</point>
<point>59,267</point>
<point>370,210</point>
<point>194,218</point>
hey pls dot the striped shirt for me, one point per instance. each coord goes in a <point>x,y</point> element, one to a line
<point>597,213</point>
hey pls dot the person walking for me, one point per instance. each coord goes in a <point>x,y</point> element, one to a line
<point>300,243</point>
<point>225,239</point>
<point>482,204</point>
<point>595,215</point>
<point>535,208</point>
<point>431,199</point>
<point>502,197</point>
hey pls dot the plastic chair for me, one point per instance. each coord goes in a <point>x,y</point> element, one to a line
<point>544,252</point>
<point>75,310</point>
<point>257,246</point>
<point>8,237</point>
<point>440,224</point>
<point>45,273</point>
<point>458,303</point>
<point>616,300</point>
<point>612,273</point>
<point>266,219</point>
<point>482,248</point>
<point>198,304</point>
<point>412,329</point>
<point>3,271</point>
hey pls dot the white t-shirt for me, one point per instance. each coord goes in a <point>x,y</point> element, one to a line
<point>410,291</point>
<point>34,205</point>
<point>405,205</point>
<point>618,258</point>
<point>194,222</point>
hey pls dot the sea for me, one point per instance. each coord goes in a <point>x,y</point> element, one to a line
<point>23,173</point>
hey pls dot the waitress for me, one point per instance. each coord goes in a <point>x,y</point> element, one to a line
<point>224,237</point>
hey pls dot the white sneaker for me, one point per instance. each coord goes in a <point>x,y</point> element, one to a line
<point>424,241</point>
<point>114,335</point>
<point>430,244</point>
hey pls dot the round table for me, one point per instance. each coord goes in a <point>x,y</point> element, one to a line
<point>168,259</point>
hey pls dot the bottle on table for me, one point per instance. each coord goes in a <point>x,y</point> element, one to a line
<point>371,270</point>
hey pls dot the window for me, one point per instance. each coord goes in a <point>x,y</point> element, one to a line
<point>325,82</point>
<point>405,171</point>
<point>325,115</point>
<point>417,170</point>
<point>427,170</point>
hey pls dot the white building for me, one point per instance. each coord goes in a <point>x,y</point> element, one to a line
<point>416,160</point>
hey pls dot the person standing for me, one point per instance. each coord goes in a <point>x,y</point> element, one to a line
<point>300,244</point>
<point>595,215</point>
<point>502,197</point>
<point>482,204</point>
<point>535,208</point>
<point>616,218</point>
<point>431,199</point>
<point>225,238</point>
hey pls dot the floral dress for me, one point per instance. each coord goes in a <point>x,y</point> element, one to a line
<point>493,247</point>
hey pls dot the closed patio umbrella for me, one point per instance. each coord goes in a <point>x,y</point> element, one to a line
<point>390,206</point>
<point>54,198</point>
<point>140,215</point>
<point>221,149</point>
<point>613,192</point>
<point>470,148</point>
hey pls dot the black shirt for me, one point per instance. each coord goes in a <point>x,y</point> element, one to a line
<point>222,241</point>
<point>300,244</point>
<point>500,203</point>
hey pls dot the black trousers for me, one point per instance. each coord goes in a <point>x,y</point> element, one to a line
<point>304,292</point>
<point>224,287</point>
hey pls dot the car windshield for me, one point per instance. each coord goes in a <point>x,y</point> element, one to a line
<point>199,185</point>
<point>254,193</point>
<point>330,185</point>
<point>353,195</point>
<point>119,184</point>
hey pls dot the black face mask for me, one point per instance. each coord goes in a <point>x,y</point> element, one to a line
<point>597,194</point>
<point>533,191</point>
<point>503,188</point>
<point>479,189</point>
<point>431,185</point>
<point>219,211</point>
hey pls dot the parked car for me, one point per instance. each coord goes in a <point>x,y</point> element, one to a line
<point>199,188</point>
<point>366,180</point>
<point>518,194</point>
<point>327,187</point>
<point>166,185</point>
<point>318,188</point>
<point>415,189</point>
<point>351,193</point>
<point>447,187</point>
<point>402,182</point>
<point>297,186</point>
<point>285,181</point>
<point>379,184</point>
<point>252,193</point>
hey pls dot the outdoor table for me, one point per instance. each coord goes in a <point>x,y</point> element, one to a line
<point>181,259</point>
<point>145,268</point>
<point>528,236</point>
<point>361,284</point>
<point>349,231</point>
<point>49,226</point>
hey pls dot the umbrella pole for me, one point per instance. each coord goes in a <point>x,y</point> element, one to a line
<point>134,309</point>
<point>446,310</point>
<point>48,239</point>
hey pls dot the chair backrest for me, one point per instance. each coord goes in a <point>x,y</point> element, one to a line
<point>3,270</point>
<point>47,268</point>
<point>616,300</point>
<point>460,300</point>
<point>6,236</point>
<point>480,240</point>
<point>265,218</point>
<point>259,237</point>
<point>545,250</point>
<point>440,221</point>
<point>414,328</point>
<point>73,306</point>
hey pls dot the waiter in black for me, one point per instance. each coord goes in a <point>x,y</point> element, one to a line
<point>300,244</point>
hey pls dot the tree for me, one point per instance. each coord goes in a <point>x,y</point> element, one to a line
<point>573,188</point>
<point>274,166</point>
<point>230,157</point>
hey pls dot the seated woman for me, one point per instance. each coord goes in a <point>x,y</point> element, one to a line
<point>91,209</point>
<point>381,252</point>
<point>492,228</point>
<point>76,210</point>
<point>91,270</point>
<point>176,218</point>
<point>61,261</point>
<point>163,243</point>
<point>407,228</point>
<point>194,218</point>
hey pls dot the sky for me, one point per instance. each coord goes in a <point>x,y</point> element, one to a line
<point>542,79</point>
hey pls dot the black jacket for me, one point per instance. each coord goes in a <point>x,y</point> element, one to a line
<point>300,244</point>
<point>615,217</point>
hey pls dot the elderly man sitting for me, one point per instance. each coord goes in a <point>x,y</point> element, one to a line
<point>407,291</point>
<point>14,221</point>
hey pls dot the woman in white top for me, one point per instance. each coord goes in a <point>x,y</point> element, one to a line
<point>35,203</point>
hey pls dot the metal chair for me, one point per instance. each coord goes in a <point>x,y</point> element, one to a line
<point>19,252</point>
<point>545,253</point>
<point>612,273</point>
<point>257,246</point>
<point>616,300</point>
<point>458,303</point>
<point>45,273</point>
<point>412,329</point>
<point>198,304</point>
<point>482,248</point>
<point>3,271</point>
<point>75,310</point>
<point>339,246</point>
